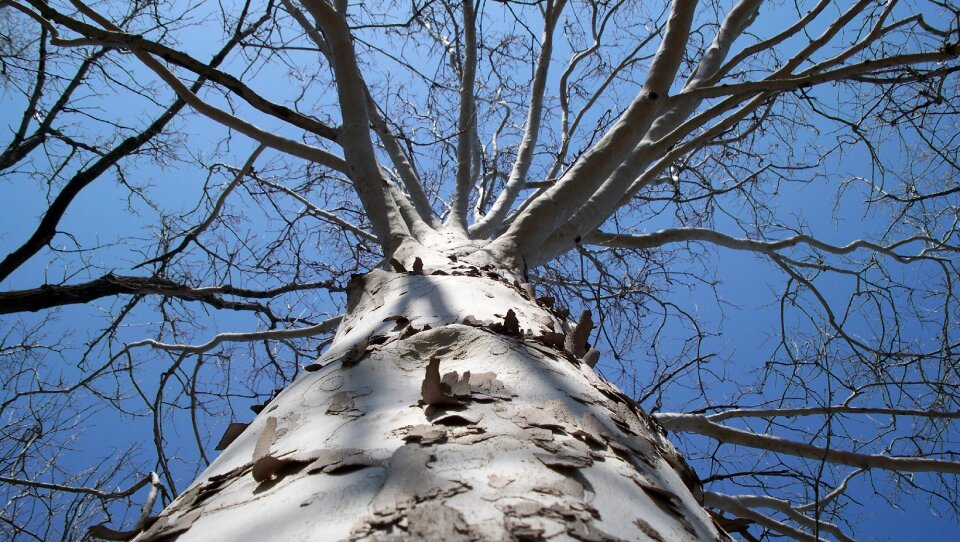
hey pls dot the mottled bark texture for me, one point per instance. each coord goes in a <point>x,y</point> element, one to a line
<point>450,407</point>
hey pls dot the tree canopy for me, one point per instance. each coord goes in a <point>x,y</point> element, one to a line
<point>758,200</point>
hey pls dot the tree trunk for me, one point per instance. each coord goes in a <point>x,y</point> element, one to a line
<point>452,405</point>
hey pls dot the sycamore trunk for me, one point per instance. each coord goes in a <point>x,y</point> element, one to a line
<point>452,405</point>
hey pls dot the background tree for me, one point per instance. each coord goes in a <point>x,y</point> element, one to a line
<point>190,188</point>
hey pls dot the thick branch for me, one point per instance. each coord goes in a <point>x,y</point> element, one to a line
<point>518,174</point>
<point>403,164</point>
<point>400,160</point>
<point>556,204</point>
<point>668,128</point>
<point>782,506</point>
<point>830,410</point>
<point>362,167</point>
<point>49,296</point>
<point>732,505</point>
<point>467,121</point>
<point>701,425</point>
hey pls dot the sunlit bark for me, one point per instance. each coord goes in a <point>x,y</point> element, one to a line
<point>447,408</point>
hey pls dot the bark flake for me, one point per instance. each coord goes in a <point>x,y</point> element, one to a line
<point>433,389</point>
<point>230,434</point>
<point>424,434</point>
<point>342,404</point>
<point>576,340</point>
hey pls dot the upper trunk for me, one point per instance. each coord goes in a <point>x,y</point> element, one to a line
<point>519,439</point>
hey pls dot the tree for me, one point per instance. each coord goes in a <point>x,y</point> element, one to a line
<point>406,237</point>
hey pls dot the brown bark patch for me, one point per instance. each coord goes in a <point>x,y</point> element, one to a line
<point>564,460</point>
<point>648,530</point>
<point>230,434</point>
<point>486,387</point>
<point>509,326</point>
<point>425,434</point>
<point>342,404</point>
<point>591,357</point>
<point>168,528</point>
<point>552,415</point>
<point>456,419</point>
<point>437,521</point>
<point>433,389</point>
<point>576,340</point>
<point>340,461</point>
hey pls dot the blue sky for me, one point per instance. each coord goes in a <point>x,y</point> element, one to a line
<point>102,216</point>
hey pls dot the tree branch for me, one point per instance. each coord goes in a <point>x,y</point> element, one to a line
<point>830,410</point>
<point>701,425</point>
<point>326,326</point>
<point>804,81</point>
<point>355,131</point>
<point>518,174</point>
<point>117,38</point>
<point>733,505</point>
<point>188,95</point>
<point>680,235</point>
<point>556,204</point>
<point>49,296</point>
<point>47,228</point>
<point>195,233</point>
<point>320,213</point>
<point>467,120</point>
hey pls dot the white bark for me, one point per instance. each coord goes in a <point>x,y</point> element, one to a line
<point>518,175</point>
<point>522,439</point>
<point>555,205</point>
<point>745,506</point>
<point>355,131</point>
<point>702,425</point>
<point>467,123</point>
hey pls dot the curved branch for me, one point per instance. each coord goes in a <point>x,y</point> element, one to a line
<point>117,38</point>
<point>320,213</point>
<point>518,174</point>
<point>701,425</point>
<point>804,81</point>
<point>363,167</point>
<point>680,235</point>
<point>782,506</point>
<point>732,505</point>
<point>195,233</point>
<point>327,326</point>
<point>188,95</point>
<point>84,490</point>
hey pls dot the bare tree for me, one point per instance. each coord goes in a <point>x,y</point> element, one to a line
<point>465,263</point>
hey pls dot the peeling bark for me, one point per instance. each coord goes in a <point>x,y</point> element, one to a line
<point>441,413</point>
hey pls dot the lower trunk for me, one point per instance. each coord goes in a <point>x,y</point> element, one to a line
<point>448,408</point>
